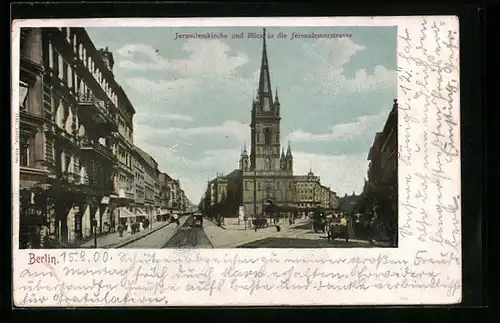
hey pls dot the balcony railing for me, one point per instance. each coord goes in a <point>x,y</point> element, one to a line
<point>100,149</point>
<point>92,100</point>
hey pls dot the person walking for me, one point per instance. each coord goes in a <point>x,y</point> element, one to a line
<point>175,218</point>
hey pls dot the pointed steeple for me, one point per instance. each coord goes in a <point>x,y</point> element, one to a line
<point>244,151</point>
<point>276,99</point>
<point>265,92</point>
<point>282,152</point>
<point>289,150</point>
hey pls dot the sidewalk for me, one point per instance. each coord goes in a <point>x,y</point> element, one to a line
<point>232,235</point>
<point>113,240</point>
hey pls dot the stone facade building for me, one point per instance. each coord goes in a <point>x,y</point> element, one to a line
<point>77,172</point>
<point>70,110</point>
<point>265,179</point>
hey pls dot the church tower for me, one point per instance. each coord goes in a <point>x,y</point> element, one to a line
<point>265,125</point>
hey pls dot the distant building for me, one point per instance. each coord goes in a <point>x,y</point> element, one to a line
<point>307,187</point>
<point>149,168</point>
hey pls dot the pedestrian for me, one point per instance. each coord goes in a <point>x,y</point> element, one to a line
<point>175,216</point>
<point>120,230</point>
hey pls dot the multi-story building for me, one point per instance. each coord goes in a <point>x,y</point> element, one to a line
<point>307,189</point>
<point>124,176</point>
<point>71,107</point>
<point>216,198</point>
<point>139,180</point>
<point>324,194</point>
<point>334,200</point>
<point>157,192</point>
<point>164,181</point>
<point>381,186</point>
<point>149,168</point>
<point>32,156</point>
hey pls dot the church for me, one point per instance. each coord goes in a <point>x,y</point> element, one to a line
<point>267,170</point>
<point>264,182</point>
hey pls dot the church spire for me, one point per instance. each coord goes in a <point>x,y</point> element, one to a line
<point>276,99</point>
<point>265,92</point>
<point>289,150</point>
<point>244,150</point>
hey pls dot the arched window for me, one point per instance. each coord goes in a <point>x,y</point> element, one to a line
<point>267,164</point>
<point>267,136</point>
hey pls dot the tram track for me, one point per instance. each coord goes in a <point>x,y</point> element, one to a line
<point>189,237</point>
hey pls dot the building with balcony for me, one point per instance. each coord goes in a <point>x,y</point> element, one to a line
<point>149,180</point>
<point>381,186</point>
<point>32,139</point>
<point>71,110</point>
<point>124,195</point>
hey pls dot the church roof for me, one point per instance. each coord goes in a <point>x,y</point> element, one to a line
<point>264,91</point>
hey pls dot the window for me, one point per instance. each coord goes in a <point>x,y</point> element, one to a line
<point>51,56</point>
<point>23,94</point>
<point>60,66</point>
<point>70,76</point>
<point>267,136</point>
<point>25,151</point>
<point>258,186</point>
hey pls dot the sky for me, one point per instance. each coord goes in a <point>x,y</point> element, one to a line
<point>193,97</point>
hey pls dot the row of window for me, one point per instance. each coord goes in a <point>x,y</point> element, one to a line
<point>249,185</point>
<point>66,74</point>
<point>89,63</point>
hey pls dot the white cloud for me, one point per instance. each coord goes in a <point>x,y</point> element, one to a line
<point>144,117</point>
<point>170,90</point>
<point>359,128</point>
<point>206,58</point>
<point>229,129</point>
<point>343,174</point>
<point>329,58</point>
<point>335,53</point>
<point>180,117</point>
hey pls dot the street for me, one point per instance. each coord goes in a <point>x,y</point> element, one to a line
<point>155,240</point>
<point>189,236</point>
<point>234,235</point>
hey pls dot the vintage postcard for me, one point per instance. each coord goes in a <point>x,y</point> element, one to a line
<point>248,161</point>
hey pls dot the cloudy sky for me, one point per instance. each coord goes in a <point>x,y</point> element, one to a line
<point>193,97</point>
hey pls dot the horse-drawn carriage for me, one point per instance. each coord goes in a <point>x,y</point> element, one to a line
<point>260,222</point>
<point>337,229</point>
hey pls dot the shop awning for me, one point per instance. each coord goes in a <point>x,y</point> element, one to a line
<point>140,212</point>
<point>125,213</point>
